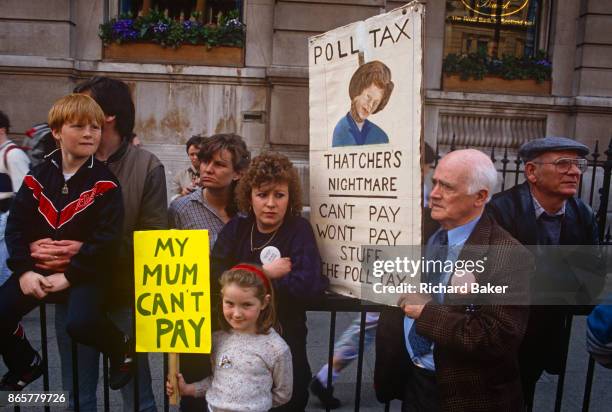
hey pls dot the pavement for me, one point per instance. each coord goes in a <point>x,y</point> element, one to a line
<point>318,326</point>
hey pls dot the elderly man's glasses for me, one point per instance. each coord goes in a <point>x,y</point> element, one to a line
<point>564,165</point>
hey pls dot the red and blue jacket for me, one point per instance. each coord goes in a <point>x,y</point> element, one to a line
<point>88,207</point>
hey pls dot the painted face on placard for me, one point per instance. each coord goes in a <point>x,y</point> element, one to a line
<point>366,103</point>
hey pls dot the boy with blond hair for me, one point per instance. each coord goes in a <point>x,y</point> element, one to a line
<point>69,196</point>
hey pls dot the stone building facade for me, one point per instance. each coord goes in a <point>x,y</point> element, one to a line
<point>46,47</point>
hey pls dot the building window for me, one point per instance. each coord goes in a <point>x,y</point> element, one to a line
<point>497,27</point>
<point>208,11</point>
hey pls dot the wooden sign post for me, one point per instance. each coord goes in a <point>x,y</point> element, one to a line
<point>173,369</point>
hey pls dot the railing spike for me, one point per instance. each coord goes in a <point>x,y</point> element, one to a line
<point>596,153</point>
<point>505,158</point>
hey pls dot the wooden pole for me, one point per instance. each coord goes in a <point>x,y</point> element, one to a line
<point>173,369</point>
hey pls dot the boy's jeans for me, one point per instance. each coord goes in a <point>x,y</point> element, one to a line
<point>85,320</point>
<point>89,365</point>
<point>5,273</point>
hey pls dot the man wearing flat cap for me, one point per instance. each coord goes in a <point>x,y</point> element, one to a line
<point>560,229</point>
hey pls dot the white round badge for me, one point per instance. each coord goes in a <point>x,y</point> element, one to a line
<point>269,254</point>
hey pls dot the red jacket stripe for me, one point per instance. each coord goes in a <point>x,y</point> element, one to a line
<point>85,200</point>
<point>45,207</point>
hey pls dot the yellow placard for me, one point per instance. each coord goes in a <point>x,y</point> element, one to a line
<point>172,291</point>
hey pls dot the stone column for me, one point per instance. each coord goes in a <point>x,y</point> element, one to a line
<point>259,19</point>
<point>87,17</point>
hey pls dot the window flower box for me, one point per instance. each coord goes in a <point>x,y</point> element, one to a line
<point>495,84</point>
<point>479,73</point>
<point>187,54</point>
<point>156,38</point>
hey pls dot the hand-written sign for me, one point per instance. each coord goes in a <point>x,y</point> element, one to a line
<point>365,83</point>
<point>172,291</point>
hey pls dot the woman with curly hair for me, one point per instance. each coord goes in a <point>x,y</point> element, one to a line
<point>271,233</point>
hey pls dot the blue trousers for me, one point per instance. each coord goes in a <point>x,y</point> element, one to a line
<point>89,366</point>
<point>346,348</point>
<point>86,321</point>
<point>5,272</point>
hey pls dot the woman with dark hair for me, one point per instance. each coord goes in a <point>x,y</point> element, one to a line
<point>272,233</point>
<point>223,158</point>
<point>369,89</point>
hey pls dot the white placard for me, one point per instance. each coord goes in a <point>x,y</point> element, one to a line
<point>365,140</point>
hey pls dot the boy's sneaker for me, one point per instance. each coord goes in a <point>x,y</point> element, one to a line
<point>325,395</point>
<point>13,381</point>
<point>121,367</point>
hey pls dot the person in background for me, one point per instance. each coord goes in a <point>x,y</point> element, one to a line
<point>223,160</point>
<point>136,140</point>
<point>542,212</point>
<point>599,334</point>
<point>272,233</point>
<point>14,164</point>
<point>186,181</point>
<point>39,142</point>
<point>143,186</point>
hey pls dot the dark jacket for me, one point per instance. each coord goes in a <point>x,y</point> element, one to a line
<point>392,361</point>
<point>143,184</point>
<point>575,268</point>
<point>476,347</point>
<point>90,211</point>
<point>294,239</point>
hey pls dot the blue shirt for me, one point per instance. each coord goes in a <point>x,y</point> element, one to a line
<point>456,239</point>
<point>347,133</point>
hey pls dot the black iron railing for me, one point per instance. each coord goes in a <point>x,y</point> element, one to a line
<point>510,169</point>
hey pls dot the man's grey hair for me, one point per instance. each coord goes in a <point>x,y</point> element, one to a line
<point>481,171</point>
<point>483,174</point>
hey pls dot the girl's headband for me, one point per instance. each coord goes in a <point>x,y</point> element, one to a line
<point>256,271</point>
